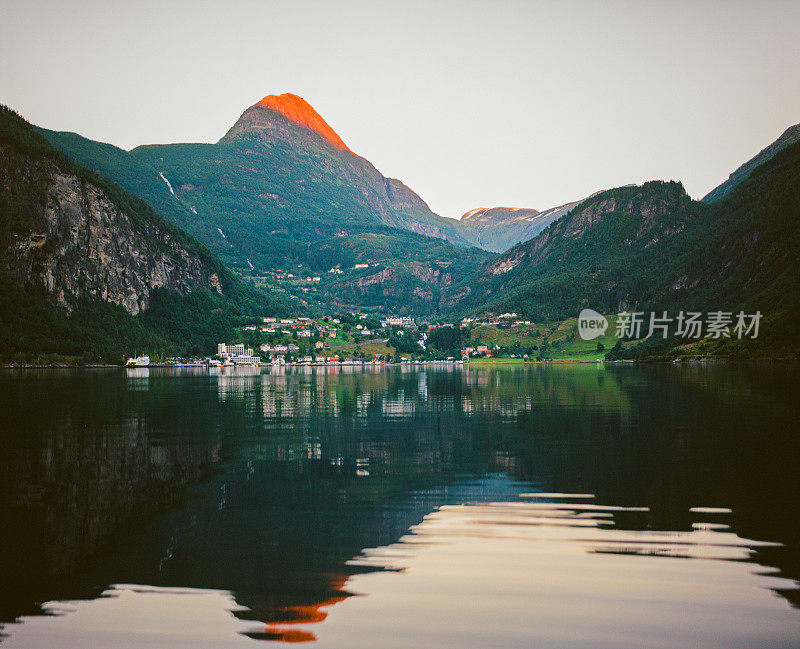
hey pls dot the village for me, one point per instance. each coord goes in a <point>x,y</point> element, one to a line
<point>350,339</point>
<point>353,339</point>
<point>357,339</point>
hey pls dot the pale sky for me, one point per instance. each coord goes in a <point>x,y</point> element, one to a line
<point>527,104</point>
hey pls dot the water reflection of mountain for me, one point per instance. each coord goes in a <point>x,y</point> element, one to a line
<point>79,472</point>
<point>293,474</point>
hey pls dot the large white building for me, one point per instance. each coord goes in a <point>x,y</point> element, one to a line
<point>238,354</point>
<point>229,351</point>
<point>396,321</point>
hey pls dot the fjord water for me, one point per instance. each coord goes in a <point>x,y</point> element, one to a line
<point>564,506</point>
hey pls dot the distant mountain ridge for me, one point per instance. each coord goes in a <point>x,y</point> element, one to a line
<point>579,259</point>
<point>499,229</point>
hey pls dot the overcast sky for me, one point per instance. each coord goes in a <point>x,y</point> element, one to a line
<point>528,104</point>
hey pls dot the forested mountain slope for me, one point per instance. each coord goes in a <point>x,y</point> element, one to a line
<point>280,191</point>
<point>72,239</point>
<point>651,247</point>
<point>789,137</point>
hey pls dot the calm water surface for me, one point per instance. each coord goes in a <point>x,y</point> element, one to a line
<point>573,506</point>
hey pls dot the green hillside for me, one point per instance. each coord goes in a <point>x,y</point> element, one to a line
<point>281,200</point>
<point>610,251</point>
<point>319,224</point>
<point>789,137</point>
<point>37,325</point>
<point>651,247</point>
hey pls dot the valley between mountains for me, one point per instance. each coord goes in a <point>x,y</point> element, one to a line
<point>177,246</point>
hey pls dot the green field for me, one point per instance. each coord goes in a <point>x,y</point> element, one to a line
<point>546,340</point>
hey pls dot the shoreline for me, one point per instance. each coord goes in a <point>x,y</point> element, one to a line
<point>695,360</point>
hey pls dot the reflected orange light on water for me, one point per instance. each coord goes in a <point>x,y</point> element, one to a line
<point>303,614</point>
<point>545,570</point>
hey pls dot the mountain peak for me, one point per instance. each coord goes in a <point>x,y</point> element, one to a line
<point>298,111</point>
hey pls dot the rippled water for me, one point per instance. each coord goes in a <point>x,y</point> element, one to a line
<point>545,506</point>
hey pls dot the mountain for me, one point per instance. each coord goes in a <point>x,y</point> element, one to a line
<point>70,238</point>
<point>281,191</point>
<point>278,120</point>
<point>498,229</point>
<point>789,137</point>
<point>295,111</point>
<point>651,247</point>
<point>282,195</point>
<point>584,258</point>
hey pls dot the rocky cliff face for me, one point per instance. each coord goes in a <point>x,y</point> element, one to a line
<point>65,235</point>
